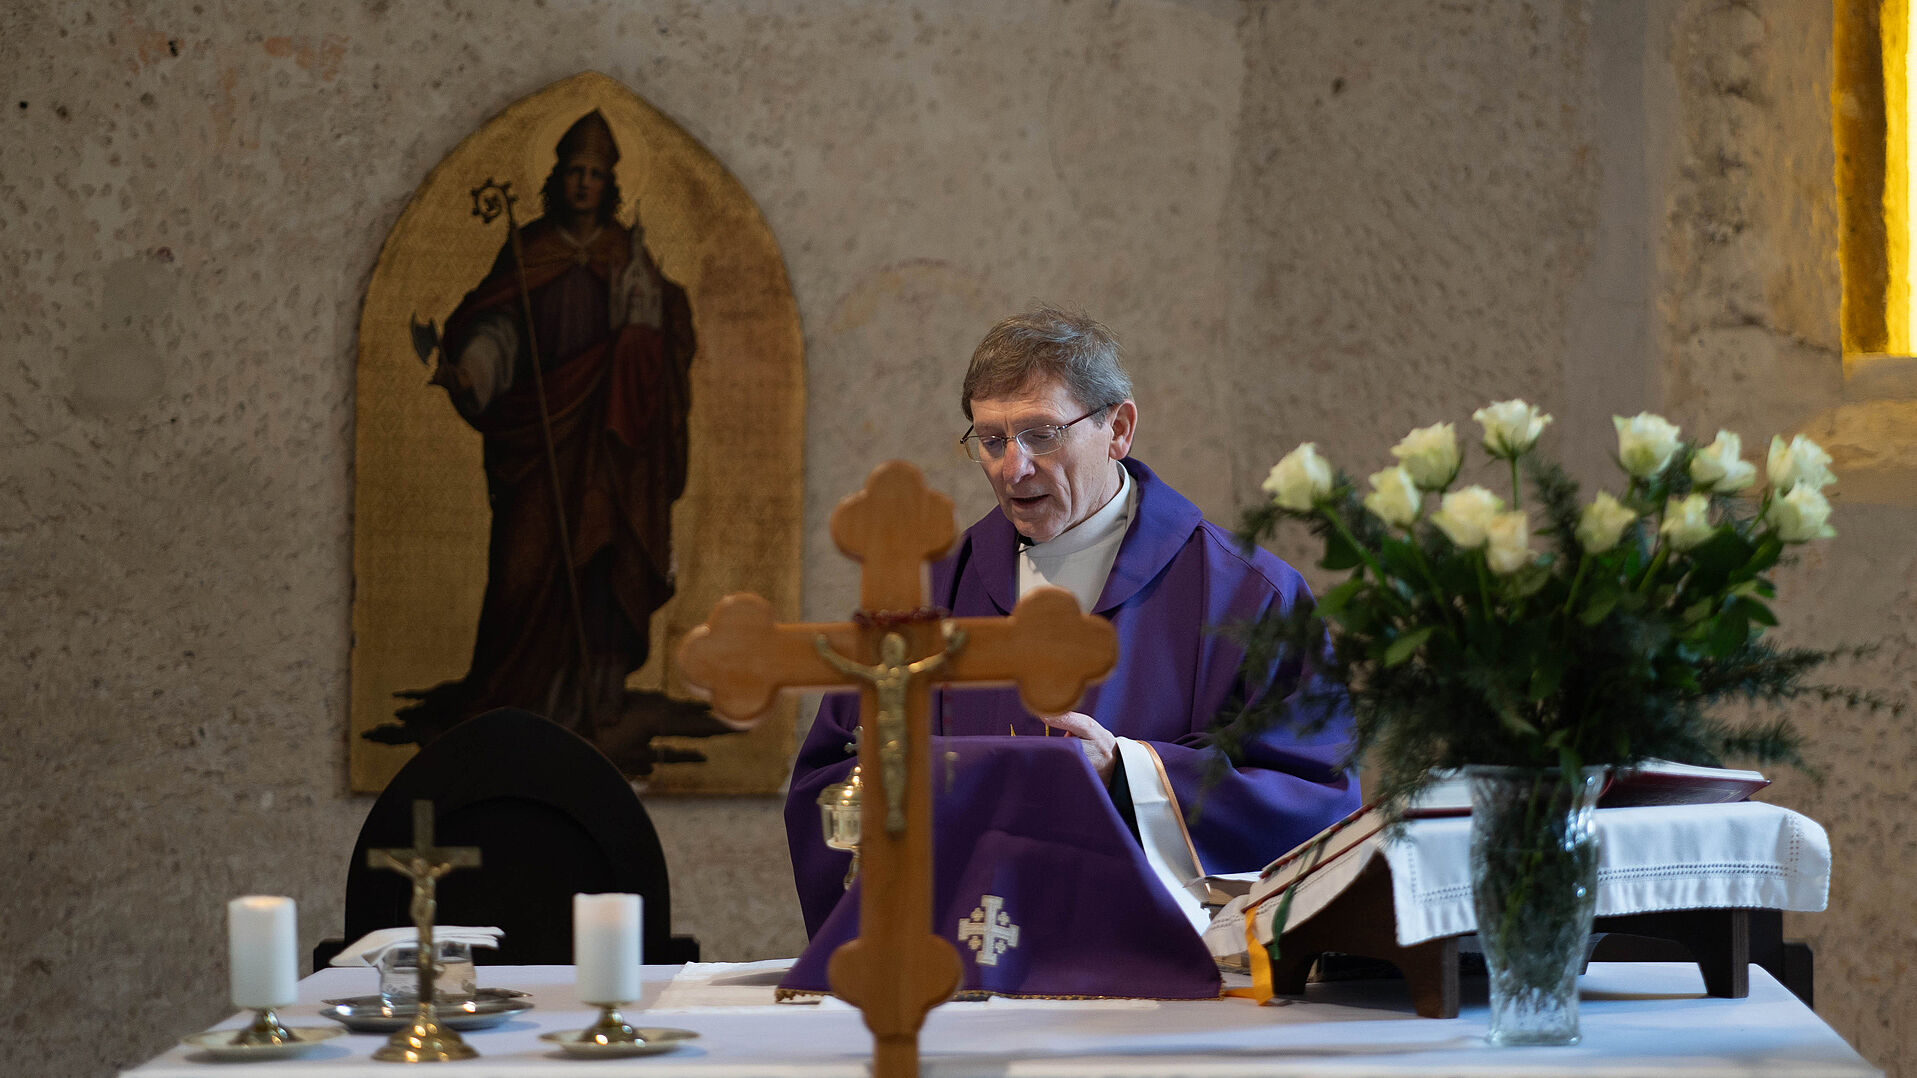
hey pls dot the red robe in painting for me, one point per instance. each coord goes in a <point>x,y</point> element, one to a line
<point>618,401</point>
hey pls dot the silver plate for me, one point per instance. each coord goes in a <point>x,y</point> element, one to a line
<point>219,1043</point>
<point>369,1014</point>
<point>650,1041</point>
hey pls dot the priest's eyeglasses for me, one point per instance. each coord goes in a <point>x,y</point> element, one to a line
<point>1036,441</point>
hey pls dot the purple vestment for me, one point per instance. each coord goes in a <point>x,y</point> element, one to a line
<point>1177,578</point>
<point>1037,882</point>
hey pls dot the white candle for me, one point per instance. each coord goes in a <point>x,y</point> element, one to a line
<point>261,944</point>
<point>605,947</point>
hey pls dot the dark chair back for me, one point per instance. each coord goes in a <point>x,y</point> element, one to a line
<point>550,815</point>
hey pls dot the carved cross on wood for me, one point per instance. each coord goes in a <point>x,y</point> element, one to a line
<point>897,969</point>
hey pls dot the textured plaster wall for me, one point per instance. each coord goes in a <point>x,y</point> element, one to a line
<point>1307,221</point>
<point>1412,208</point>
<point>1748,289</point>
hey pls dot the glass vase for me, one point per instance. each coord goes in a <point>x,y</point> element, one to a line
<point>1534,858</point>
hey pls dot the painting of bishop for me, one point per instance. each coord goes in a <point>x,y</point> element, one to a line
<point>611,339</point>
<point>576,361</point>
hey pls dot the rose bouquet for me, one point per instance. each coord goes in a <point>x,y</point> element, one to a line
<point>1535,642</point>
<point>1523,627</point>
<point>1538,641</point>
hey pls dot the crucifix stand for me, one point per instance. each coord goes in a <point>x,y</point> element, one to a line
<point>425,1041</point>
<point>897,969</point>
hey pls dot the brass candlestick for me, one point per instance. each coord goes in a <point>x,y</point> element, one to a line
<point>611,1028</point>
<point>425,1041</point>
<point>266,1029</point>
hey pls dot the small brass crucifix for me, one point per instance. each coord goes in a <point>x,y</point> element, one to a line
<point>897,969</point>
<point>425,1041</point>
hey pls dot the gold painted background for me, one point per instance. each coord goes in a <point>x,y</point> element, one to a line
<point>420,513</point>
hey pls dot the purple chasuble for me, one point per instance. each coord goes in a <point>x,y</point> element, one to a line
<point>1037,882</point>
<point>1176,579</point>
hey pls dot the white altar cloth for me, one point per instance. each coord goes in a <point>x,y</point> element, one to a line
<point>1748,855</point>
<point>1642,1020</point>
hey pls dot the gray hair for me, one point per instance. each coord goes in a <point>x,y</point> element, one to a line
<point>1048,343</point>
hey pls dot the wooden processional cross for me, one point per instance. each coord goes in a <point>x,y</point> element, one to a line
<point>741,658</point>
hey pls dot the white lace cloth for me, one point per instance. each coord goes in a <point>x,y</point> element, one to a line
<point>1639,1020</point>
<point>748,988</point>
<point>740,987</point>
<point>1747,855</point>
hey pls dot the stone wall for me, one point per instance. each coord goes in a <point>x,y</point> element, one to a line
<point>1307,221</point>
<point>1748,327</point>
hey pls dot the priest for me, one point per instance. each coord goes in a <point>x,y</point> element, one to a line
<point>1052,423</point>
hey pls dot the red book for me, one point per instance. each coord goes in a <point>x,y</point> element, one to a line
<point>1661,782</point>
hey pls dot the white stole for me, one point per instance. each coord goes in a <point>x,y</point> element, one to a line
<point>1079,560</point>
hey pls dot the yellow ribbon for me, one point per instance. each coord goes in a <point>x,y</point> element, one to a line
<point>1260,989</point>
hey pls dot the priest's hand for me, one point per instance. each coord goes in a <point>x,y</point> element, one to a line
<point>1101,748</point>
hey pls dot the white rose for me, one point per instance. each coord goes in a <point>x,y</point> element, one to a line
<point>1718,467</point>
<point>1300,480</point>
<point>1801,462</point>
<point>1687,521</point>
<point>1800,515</point>
<point>1465,516</point>
<point>1645,443</point>
<point>1509,546</point>
<point>1430,454</point>
<point>1602,523</point>
<point>1394,498</point>
<point>1510,427</point>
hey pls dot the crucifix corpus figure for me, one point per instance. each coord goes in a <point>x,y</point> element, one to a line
<point>424,863</point>
<point>894,649</point>
<point>890,679</point>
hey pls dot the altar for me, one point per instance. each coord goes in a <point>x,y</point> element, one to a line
<point>1639,1019</point>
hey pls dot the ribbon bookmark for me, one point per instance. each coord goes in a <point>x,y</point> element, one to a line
<point>1260,958</point>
